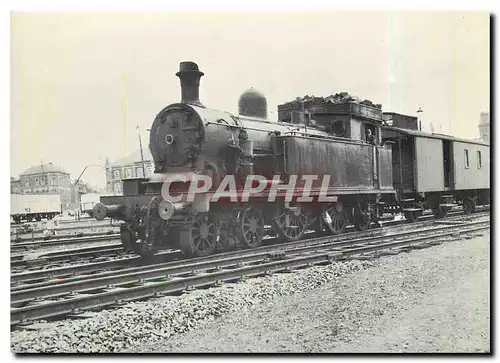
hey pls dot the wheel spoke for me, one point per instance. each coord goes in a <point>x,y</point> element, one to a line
<point>338,221</point>
<point>249,220</point>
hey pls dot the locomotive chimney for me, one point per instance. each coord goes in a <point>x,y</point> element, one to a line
<point>190,75</point>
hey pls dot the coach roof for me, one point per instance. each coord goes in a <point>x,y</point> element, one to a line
<point>430,135</point>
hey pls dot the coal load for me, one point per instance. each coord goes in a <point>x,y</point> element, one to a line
<point>309,102</point>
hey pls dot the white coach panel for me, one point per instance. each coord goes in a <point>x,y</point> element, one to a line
<point>471,163</point>
<point>429,164</point>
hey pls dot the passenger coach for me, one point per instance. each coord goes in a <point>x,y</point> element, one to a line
<point>435,171</point>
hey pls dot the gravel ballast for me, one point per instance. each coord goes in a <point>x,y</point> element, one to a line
<point>436,299</point>
<point>431,300</point>
<point>158,319</point>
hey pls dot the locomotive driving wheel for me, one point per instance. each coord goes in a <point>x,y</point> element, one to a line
<point>204,235</point>
<point>126,237</point>
<point>292,223</point>
<point>335,218</point>
<point>411,216</point>
<point>251,227</point>
<point>469,205</point>
<point>361,216</point>
<point>439,212</point>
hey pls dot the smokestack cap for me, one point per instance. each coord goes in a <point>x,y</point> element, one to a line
<point>189,67</point>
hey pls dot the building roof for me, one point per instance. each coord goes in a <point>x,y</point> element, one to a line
<point>44,168</point>
<point>134,157</point>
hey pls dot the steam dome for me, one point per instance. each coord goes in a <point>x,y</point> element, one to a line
<point>252,103</point>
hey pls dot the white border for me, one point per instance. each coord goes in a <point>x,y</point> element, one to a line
<point>173,6</point>
<point>254,5</point>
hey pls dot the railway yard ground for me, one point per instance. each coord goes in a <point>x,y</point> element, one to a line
<point>435,299</point>
<point>432,300</point>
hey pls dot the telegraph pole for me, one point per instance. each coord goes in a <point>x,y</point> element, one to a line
<point>124,116</point>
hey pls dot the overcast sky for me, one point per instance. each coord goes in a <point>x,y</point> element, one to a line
<point>67,71</point>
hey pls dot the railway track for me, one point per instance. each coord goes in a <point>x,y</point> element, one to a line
<point>25,246</point>
<point>39,237</point>
<point>109,257</point>
<point>40,242</point>
<point>65,272</point>
<point>68,296</point>
<point>88,255</point>
<point>22,261</point>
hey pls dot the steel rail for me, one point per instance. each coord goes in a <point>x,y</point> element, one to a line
<point>64,241</point>
<point>179,284</point>
<point>64,272</point>
<point>20,260</point>
<point>91,239</point>
<point>42,239</point>
<point>39,237</point>
<point>127,277</point>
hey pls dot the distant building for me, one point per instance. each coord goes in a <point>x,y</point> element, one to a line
<point>15,186</point>
<point>46,179</point>
<point>129,167</point>
<point>484,126</point>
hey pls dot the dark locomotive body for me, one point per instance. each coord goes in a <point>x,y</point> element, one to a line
<point>320,138</point>
<point>189,139</point>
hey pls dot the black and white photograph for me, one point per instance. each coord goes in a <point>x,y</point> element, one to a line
<point>244,182</point>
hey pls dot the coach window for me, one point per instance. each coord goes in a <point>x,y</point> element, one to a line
<point>479,159</point>
<point>466,159</point>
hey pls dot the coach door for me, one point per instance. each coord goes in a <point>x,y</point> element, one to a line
<point>448,164</point>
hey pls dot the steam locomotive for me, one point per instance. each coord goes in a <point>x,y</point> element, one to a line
<point>289,159</point>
